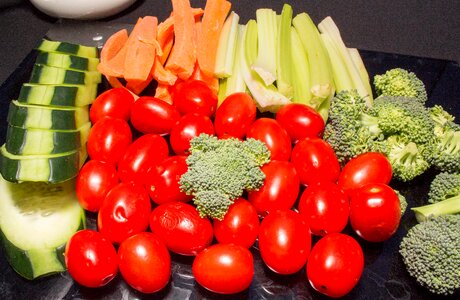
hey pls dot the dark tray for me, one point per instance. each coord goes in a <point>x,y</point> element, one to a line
<point>384,276</point>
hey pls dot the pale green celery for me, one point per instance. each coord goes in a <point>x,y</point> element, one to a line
<point>300,70</point>
<point>265,63</point>
<point>222,93</point>
<point>358,61</point>
<point>321,77</point>
<point>284,63</point>
<point>226,49</point>
<point>328,27</point>
<point>267,98</point>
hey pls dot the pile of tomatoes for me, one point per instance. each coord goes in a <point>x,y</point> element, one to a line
<point>138,150</point>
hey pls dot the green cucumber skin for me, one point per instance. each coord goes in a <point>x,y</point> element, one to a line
<point>53,75</point>
<point>66,61</point>
<point>58,95</point>
<point>68,48</point>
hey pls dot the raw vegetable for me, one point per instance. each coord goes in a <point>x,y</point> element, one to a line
<point>284,62</point>
<point>67,48</point>
<point>400,82</point>
<point>53,75</point>
<point>57,94</point>
<point>450,205</point>
<point>226,47</point>
<point>444,185</point>
<point>66,61</point>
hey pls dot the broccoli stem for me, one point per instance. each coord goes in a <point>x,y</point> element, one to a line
<point>444,207</point>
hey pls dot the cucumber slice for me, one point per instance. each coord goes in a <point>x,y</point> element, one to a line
<point>47,117</point>
<point>36,221</point>
<point>52,168</point>
<point>67,61</point>
<point>67,48</point>
<point>53,75</point>
<point>23,141</point>
<point>58,94</point>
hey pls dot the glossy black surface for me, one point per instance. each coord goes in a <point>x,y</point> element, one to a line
<point>384,276</point>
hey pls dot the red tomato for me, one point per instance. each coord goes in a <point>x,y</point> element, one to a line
<point>240,225</point>
<point>108,139</point>
<point>116,102</point>
<point>284,241</point>
<point>280,189</point>
<point>94,181</point>
<point>315,160</point>
<point>335,265</point>
<point>194,96</point>
<point>124,212</point>
<point>224,268</point>
<point>145,263</point>
<point>300,121</point>
<point>91,259</point>
<point>326,208</point>
<point>188,127</point>
<point>234,116</point>
<point>273,135</point>
<point>163,181</point>
<point>370,167</point>
<point>181,228</point>
<point>153,115</point>
<point>375,212</point>
<point>143,155</point>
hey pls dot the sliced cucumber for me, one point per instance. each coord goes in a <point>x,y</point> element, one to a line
<point>53,75</point>
<point>67,48</point>
<point>52,168</point>
<point>67,61</point>
<point>47,117</point>
<point>58,94</point>
<point>36,221</point>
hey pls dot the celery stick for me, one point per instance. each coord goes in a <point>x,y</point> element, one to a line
<point>226,49</point>
<point>265,63</point>
<point>342,79</point>
<point>222,93</point>
<point>300,73</point>
<point>284,63</point>
<point>267,97</point>
<point>358,61</point>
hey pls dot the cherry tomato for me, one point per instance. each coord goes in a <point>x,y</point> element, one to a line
<point>153,115</point>
<point>181,228</point>
<point>108,139</point>
<point>240,225</point>
<point>300,121</point>
<point>370,167</point>
<point>284,241</point>
<point>325,206</point>
<point>335,265</point>
<point>91,259</point>
<point>273,135</point>
<point>224,268</point>
<point>94,181</point>
<point>116,102</point>
<point>315,160</point>
<point>145,263</point>
<point>124,212</point>
<point>280,189</point>
<point>375,212</point>
<point>188,127</point>
<point>234,116</point>
<point>143,155</point>
<point>194,96</point>
<point>163,181</point>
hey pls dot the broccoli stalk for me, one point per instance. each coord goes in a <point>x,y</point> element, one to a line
<point>445,207</point>
<point>219,171</point>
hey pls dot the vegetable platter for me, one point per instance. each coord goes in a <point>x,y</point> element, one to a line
<point>384,275</point>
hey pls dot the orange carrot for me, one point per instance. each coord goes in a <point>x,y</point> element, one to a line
<point>161,74</point>
<point>215,13</point>
<point>211,81</point>
<point>163,92</point>
<point>112,47</point>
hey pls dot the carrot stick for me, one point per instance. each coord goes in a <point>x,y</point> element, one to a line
<point>163,92</point>
<point>112,47</point>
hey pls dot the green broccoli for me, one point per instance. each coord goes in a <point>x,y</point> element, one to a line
<point>402,202</point>
<point>442,119</point>
<point>400,82</point>
<point>444,185</point>
<point>444,151</point>
<point>444,207</point>
<point>431,253</point>
<point>220,170</point>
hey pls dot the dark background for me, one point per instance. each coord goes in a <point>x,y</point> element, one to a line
<point>425,28</point>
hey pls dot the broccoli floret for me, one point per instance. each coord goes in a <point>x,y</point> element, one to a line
<point>220,170</point>
<point>402,202</point>
<point>444,152</point>
<point>444,185</point>
<point>431,253</point>
<point>400,82</point>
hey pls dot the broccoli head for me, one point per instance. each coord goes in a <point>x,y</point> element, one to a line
<point>220,170</point>
<point>402,202</point>
<point>400,82</point>
<point>431,253</point>
<point>444,185</point>
<point>444,152</point>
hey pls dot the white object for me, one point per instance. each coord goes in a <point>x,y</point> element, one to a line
<point>81,9</point>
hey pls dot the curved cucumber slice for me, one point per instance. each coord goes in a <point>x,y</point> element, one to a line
<point>58,94</point>
<point>67,48</point>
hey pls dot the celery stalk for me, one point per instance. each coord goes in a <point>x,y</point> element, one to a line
<point>300,70</point>
<point>284,63</point>
<point>267,98</point>
<point>358,61</point>
<point>222,93</point>
<point>226,49</point>
<point>265,63</point>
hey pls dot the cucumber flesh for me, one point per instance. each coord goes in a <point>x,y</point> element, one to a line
<point>67,61</point>
<point>53,75</point>
<point>67,48</point>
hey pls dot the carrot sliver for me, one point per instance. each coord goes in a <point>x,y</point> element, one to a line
<point>137,86</point>
<point>162,75</point>
<point>182,58</point>
<point>163,92</point>
<point>211,81</point>
<point>215,13</point>
<point>114,81</point>
<point>113,45</point>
